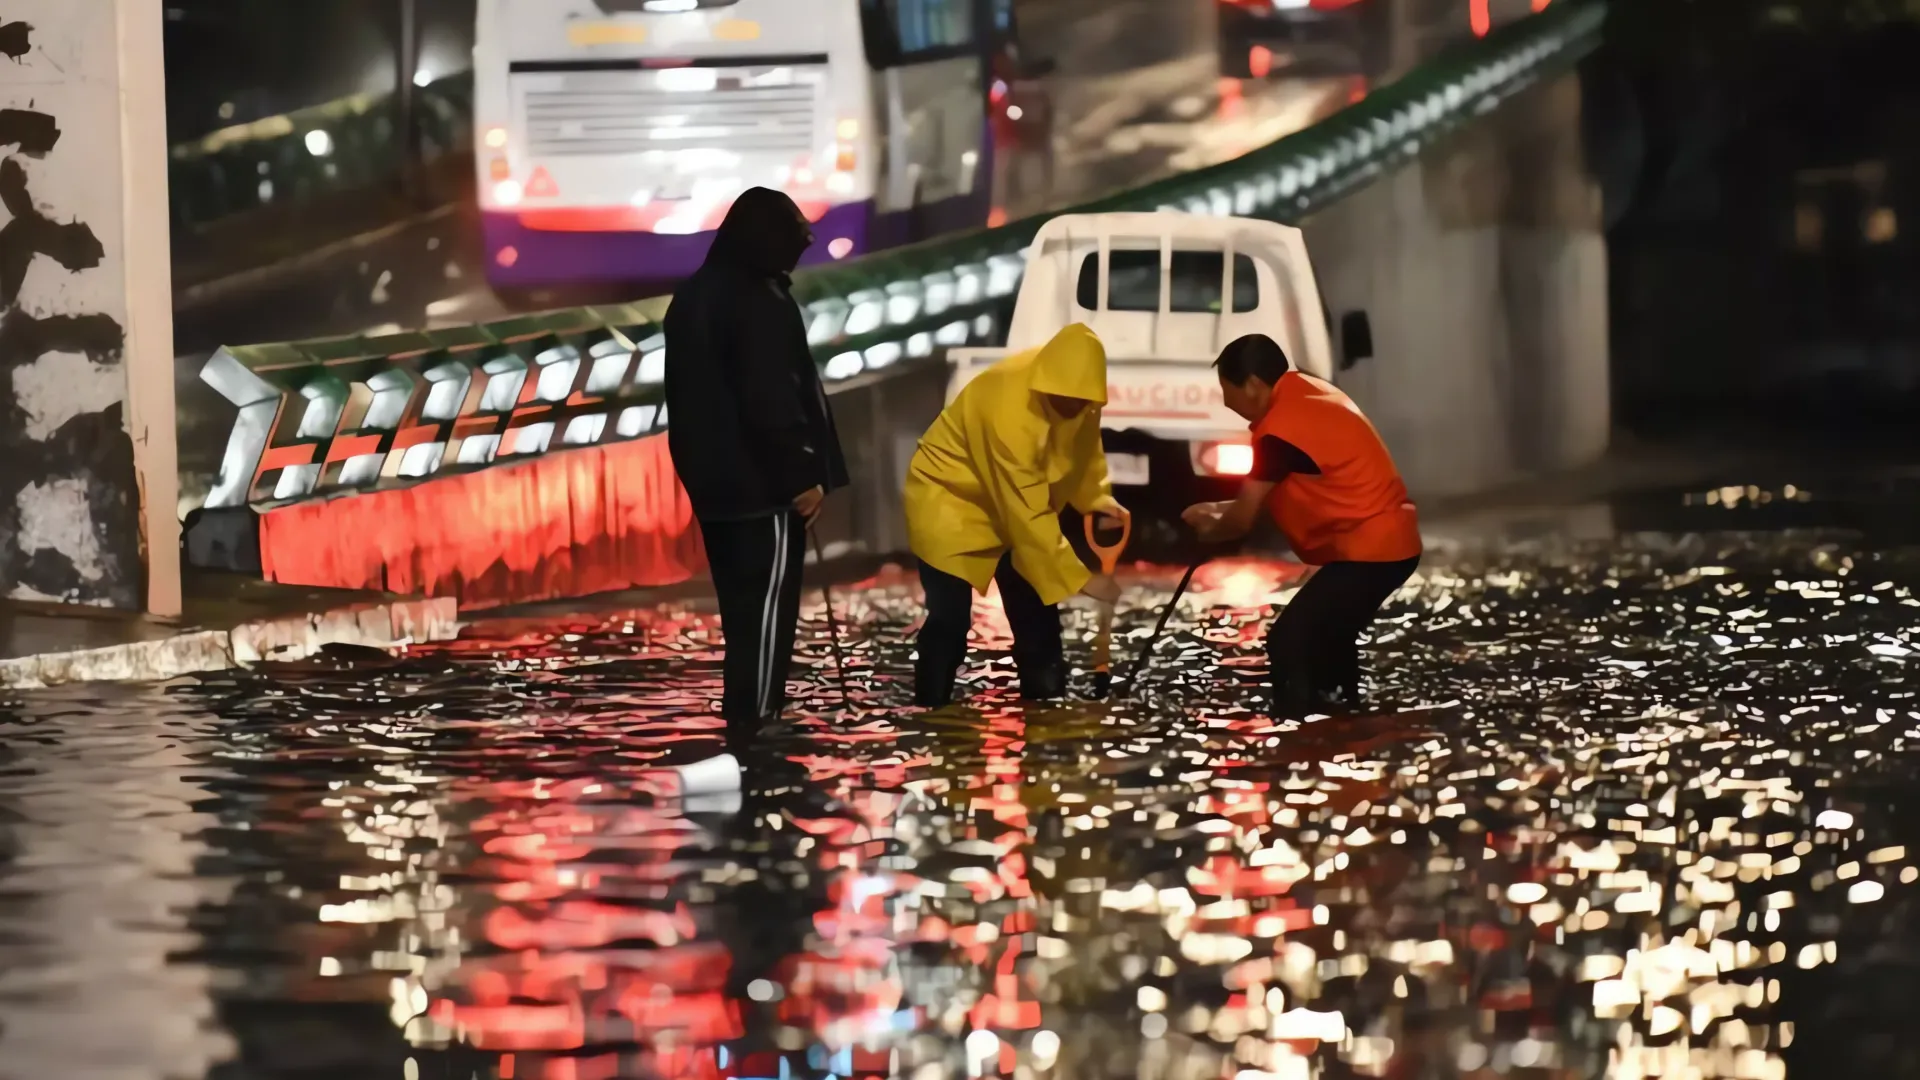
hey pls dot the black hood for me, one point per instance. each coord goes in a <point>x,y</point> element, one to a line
<point>764,231</point>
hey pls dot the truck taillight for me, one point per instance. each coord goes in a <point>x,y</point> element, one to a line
<point>1226,459</point>
<point>496,138</point>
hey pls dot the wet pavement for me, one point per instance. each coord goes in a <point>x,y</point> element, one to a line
<point>1638,807</point>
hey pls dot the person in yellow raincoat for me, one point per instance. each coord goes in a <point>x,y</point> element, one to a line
<point>984,494</point>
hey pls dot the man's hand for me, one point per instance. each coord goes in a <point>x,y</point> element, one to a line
<point>1207,518</point>
<point>1109,507</point>
<point>808,503</point>
<point>1102,587</point>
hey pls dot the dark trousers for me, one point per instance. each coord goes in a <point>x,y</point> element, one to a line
<point>1314,645</point>
<point>756,566</point>
<point>1037,651</point>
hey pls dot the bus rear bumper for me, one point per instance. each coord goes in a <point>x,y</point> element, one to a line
<point>521,257</point>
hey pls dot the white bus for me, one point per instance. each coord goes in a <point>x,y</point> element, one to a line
<point>613,135</point>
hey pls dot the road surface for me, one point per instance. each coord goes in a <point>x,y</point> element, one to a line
<point>1641,804</point>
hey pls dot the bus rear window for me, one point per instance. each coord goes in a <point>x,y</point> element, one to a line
<point>904,31</point>
<point>1196,285</point>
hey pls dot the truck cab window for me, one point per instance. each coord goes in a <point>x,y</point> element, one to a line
<point>1198,283</point>
<point>1196,286</point>
<point>1133,282</point>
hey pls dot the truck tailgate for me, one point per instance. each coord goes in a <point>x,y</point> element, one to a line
<point>1177,397</point>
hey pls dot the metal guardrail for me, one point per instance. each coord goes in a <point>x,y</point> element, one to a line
<point>343,415</point>
<point>336,146</point>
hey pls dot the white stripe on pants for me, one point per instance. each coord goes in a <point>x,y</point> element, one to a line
<point>770,617</point>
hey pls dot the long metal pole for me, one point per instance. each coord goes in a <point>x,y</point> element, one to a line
<point>1166,613</point>
<point>833,622</point>
<point>406,67</point>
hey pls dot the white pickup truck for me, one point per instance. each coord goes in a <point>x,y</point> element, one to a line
<point>1166,292</point>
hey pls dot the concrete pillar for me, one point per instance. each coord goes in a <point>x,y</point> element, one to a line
<point>88,477</point>
<point>1484,268</point>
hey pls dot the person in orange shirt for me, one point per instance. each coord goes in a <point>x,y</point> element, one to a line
<point>1322,471</point>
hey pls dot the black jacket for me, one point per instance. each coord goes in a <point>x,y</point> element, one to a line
<point>747,418</point>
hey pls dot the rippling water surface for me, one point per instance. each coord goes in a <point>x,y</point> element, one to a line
<point>1633,809</point>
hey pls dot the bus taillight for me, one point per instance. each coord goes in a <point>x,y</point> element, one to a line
<point>497,138</point>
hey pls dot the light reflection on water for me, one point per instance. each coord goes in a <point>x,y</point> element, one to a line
<point>1629,811</point>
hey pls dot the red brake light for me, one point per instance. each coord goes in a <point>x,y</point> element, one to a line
<point>1227,459</point>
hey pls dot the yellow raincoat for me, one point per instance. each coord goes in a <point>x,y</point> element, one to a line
<point>998,466</point>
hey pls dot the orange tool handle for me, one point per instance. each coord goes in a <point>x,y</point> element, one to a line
<point>1109,556</point>
<point>1109,560</point>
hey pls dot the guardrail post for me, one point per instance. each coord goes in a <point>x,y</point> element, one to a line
<point>88,475</point>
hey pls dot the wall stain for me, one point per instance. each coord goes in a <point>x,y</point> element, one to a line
<point>32,233</point>
<point>16,40</point>
<point>93,447</point>
<point>34,133</point>
<point>90,452</point>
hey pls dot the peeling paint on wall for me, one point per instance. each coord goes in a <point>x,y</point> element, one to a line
<point>69,501</point>
<point>62,385</point>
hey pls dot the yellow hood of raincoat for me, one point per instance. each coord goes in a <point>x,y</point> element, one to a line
<point>994,471</point>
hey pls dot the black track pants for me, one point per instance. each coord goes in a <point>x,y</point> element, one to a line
<point>1037,651</point>
<point>756,566</point>
<point>1314,645</point>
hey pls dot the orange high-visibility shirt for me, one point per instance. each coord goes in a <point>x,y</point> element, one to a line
<point>1355,509</point>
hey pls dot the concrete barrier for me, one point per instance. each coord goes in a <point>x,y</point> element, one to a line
<point>284,638</point>
<point>881,419</point>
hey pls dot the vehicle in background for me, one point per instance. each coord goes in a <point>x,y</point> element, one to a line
<point>1021,110</point>
<point>1321,37</point>
<point>1166,292</point>
<point>613,135</point>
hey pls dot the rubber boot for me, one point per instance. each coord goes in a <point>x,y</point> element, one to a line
<point>933,680</point>
<point>1292,700</point>
<point>1043,680</point>
<point>1290,694</point>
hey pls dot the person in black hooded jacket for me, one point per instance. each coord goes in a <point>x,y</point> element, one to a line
<point>752,438</point>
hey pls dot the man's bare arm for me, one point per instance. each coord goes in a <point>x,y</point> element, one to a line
<point>1219,522</point>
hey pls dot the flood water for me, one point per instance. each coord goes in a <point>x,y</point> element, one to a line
<point>1639,807</point>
